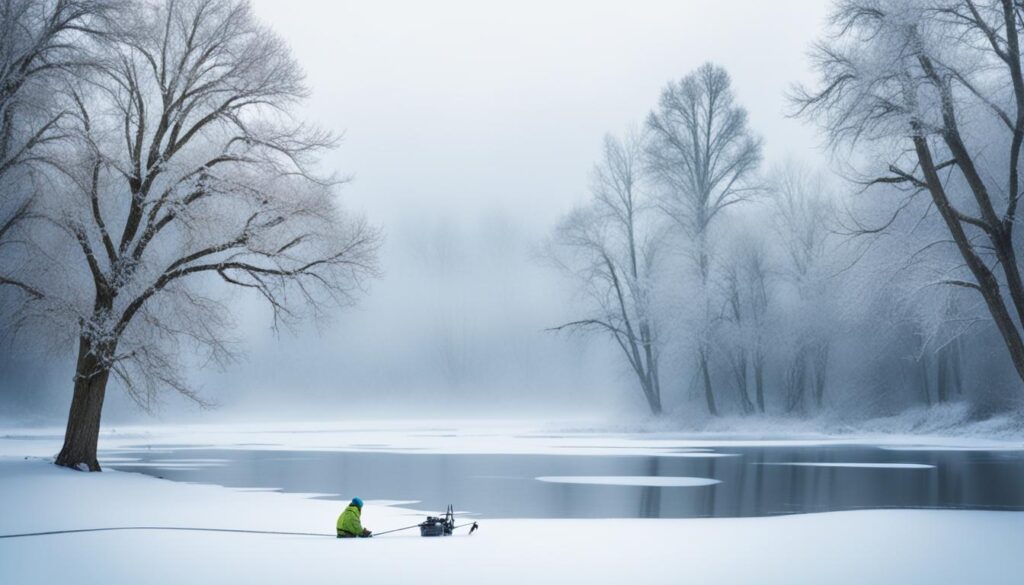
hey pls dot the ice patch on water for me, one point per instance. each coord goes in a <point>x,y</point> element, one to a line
<point>952,448</point>
<point>169,464</point>
<point>205,461</point>
<point>630,480</point>
<point>857,465</point>
<point>701,454</point>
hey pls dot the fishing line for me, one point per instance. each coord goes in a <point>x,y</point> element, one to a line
<point>179,528</point>
<point>196,529</point>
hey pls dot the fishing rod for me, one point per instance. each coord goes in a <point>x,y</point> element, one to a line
<point>396,530</point>
<point>474,526</point>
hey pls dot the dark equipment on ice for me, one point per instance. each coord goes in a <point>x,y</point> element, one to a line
<point>437,525</point>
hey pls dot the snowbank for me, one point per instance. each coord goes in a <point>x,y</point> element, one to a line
<point>898,546</point>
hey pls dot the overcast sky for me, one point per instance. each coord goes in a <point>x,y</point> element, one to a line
<point>470,128</point>
<point>464,107</point>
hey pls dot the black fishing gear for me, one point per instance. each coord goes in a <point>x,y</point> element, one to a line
<point>437,525</point>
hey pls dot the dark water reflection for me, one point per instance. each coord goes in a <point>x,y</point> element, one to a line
<point>752,482</point>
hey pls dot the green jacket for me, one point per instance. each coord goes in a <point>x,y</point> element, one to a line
<point>349,522</point>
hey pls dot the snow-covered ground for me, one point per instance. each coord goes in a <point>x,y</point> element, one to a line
<point>891,546</point>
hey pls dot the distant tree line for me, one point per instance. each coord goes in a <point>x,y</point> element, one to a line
<point>887,279</point>
<point>150,161</point>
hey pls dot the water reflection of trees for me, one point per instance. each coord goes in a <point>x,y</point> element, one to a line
<point>752,482</point>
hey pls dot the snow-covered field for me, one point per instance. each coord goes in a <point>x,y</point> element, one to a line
<point>892,546</point>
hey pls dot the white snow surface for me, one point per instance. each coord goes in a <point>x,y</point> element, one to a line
<point>878,546</point>
<point>894,546</point>
<point>632,480</point>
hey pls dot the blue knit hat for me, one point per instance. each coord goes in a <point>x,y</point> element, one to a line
<point>357,503</point>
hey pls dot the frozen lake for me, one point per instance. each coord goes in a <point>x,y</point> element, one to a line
<point>683,483</point>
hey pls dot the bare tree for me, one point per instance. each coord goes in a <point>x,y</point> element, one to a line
<point>757,276</point>
<point>746,315</point>
<point>187,170</point>
<point>43,43</point>
<point>704,157</point>
<point>937,88</point>
<point>737,350</point>
<point>610,246</point>
<point>802,218</point>
<point>940,333</point>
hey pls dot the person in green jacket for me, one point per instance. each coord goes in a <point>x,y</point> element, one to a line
<point>349,524</point>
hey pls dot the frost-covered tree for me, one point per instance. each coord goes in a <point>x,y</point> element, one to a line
<point>746,330</point>
<point>802,203</point>
<point>187,171</point>
<point>610,246</point>
<point>910,261</point>
<point>886,289</point>
<point>43,45</point>
<point>934,91</point>
<point>703,156</point>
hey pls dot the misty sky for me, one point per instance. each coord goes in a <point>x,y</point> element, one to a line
<point>460,108</point>
<point>470,128</point>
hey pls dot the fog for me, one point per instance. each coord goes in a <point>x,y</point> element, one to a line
<point>469,130</point>
<point>543,265</point>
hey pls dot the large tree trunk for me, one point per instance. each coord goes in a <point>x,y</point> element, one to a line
<point>985,281</point>
<point>83,428</point>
